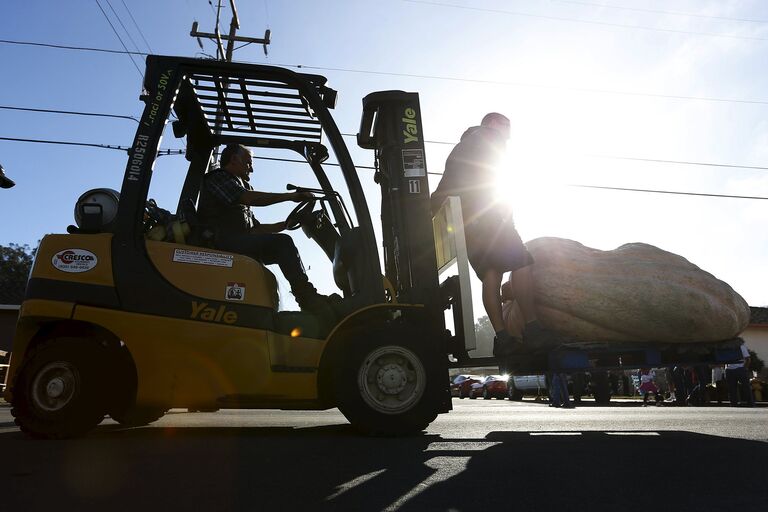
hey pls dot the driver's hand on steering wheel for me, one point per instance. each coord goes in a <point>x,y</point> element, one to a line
<point>298,197</point>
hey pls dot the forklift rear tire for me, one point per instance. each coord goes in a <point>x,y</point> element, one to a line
<point>59,391</point>
<point>385,384</point>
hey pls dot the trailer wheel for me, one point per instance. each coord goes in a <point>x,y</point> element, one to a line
<point>512,392</point>
<point>601,388</point>
<point>385,384</point>
<point>58,393</point>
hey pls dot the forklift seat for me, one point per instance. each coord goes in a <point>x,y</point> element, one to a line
<point>346,270</point>
<point>200,234</point>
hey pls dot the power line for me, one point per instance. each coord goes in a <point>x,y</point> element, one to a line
<point>66,143</point>
<point>666,192</point>
<point>69,112</point>
<point>432,77</point>
<point>527,84</point>
<point>631,158</point>
<point>163,152</point>
<point>588,22</point>
<point>658,11</point>
<point>612,157</point>
<point>64,47</point>
<point>680,162</point>
<point>130,56</point>
<point>570,185</point>
<point>137,26</point>
<point>120,21</point>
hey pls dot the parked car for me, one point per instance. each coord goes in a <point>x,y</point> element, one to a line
<point>490,387</point>
<point>461,384</point>
<point>520,385</point>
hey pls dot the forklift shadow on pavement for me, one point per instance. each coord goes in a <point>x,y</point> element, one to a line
<point>244,468</point>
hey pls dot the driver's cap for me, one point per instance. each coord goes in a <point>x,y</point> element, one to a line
<point>5,182</point>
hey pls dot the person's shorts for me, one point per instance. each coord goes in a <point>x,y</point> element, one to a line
<point>496,246</point>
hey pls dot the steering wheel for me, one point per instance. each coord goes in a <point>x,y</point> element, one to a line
<point>304,208</point>
<point>154,215</point>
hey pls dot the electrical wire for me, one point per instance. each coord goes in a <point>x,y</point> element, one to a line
<point>66,143</point>
<point>588,22</point>
<point>666,192</point>
<point>137,26</point>
<point>65,47</point>
<point>569,185</point>
<point>69,112</point>
<point>130,56</point>
<point>657,11</point>
<point>679,162</point>
<point>266,12</point>
<point>631,158</point>
<point>433,77</point>
<point>525,84</point>
<point>120,21</point>
<point>612,157</point>
<point>170,151</point>
<point>164,152</point>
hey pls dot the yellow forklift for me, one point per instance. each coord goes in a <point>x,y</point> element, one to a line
<point>134,311</point>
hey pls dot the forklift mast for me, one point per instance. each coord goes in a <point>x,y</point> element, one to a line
<point>391,126</point>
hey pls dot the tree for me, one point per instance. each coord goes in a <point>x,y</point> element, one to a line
<point>15,264</point>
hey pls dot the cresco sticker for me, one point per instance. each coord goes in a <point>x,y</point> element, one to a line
<point>74,260</point>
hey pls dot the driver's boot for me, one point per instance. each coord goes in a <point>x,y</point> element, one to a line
<point>312,302</point>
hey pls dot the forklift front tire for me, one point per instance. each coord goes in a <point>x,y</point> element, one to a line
<point>58,393</point>
<point>383,384</point>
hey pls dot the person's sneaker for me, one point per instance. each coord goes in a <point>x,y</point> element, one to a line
<point>506,345</point>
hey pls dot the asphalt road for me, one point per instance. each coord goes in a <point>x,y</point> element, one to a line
<point>484,455</point>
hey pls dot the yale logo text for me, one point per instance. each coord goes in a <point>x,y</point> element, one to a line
<point>410,131</point>
<point>201,311</point>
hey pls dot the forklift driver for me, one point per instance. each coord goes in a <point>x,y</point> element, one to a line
<point>225,201</point>
<point>493,244</point>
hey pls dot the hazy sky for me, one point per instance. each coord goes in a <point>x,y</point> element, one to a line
<point>583,83</point>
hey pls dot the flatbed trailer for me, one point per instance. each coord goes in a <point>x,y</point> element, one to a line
<point>579,356</point>
<point>563,356</point>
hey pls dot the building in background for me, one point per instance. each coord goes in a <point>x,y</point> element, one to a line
<point>756,336</point>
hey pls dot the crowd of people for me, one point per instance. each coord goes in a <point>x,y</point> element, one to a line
<point>698,385</point>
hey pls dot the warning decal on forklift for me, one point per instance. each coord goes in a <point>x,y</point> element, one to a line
<point>413,163</point>
<point>213,259</point>
<point>74,260</point>
<point>235,291</point>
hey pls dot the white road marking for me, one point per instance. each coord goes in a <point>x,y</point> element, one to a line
<point>633,433</point>
<point>554,433</point>
<point>464,446</point>
<point>341,489</point>
<point>445,468</point>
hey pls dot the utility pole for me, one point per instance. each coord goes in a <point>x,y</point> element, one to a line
<point>226,55</point>
<point>232,38</point>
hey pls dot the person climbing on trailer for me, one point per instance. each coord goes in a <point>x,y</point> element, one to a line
<point>493,244</point>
